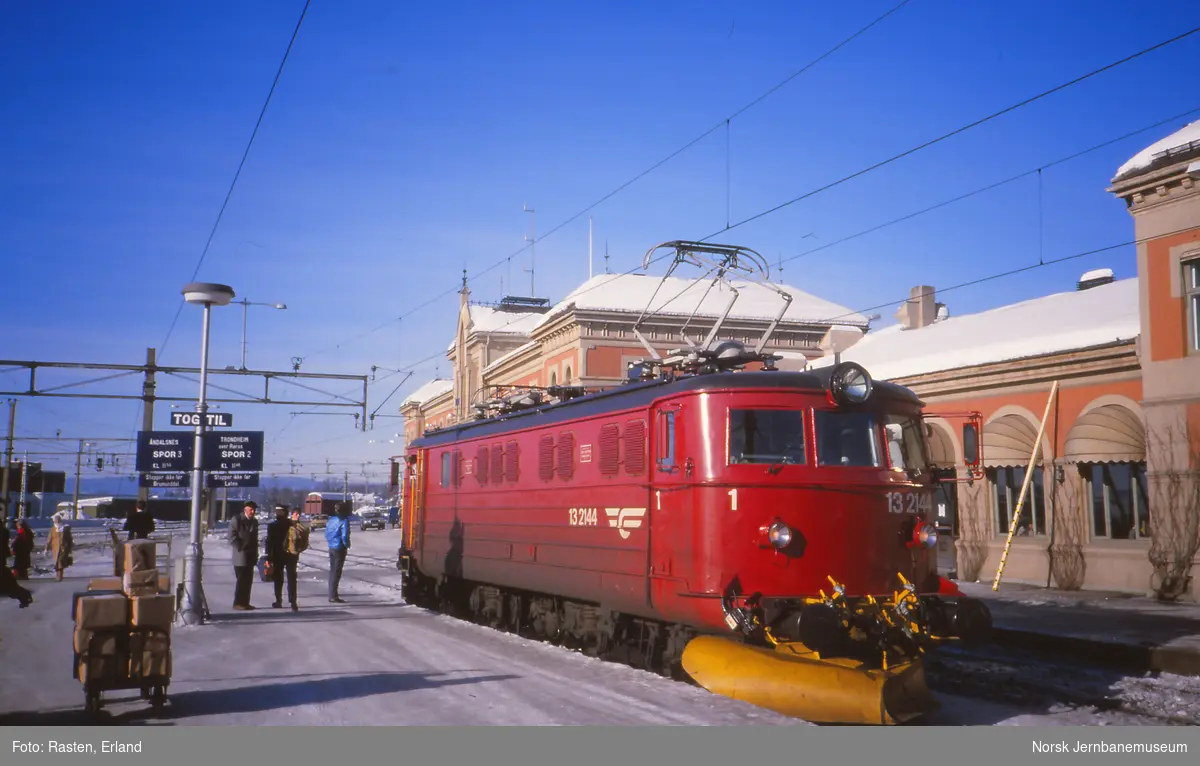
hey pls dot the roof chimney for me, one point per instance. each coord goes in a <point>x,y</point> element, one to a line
<point>1095,278</point>
<point>920,310</point>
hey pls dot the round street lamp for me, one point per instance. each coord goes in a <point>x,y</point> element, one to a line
<point>245,304</point>
<point>205,294</point>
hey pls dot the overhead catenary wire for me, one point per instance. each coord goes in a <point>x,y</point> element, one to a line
<point>989,187</point>
<point>1012,272</point>
<point>955,132</point>
<point>237,174</point>
<point>723,123</point>
<point>909,216</point>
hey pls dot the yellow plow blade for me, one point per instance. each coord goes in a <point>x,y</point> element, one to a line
<point>791,680</point>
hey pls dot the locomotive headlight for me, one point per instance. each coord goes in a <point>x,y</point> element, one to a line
<point>779,535</point>
<point>850,383</point>
<point>927,535</point>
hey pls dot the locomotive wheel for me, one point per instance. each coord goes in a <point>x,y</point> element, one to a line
<point>512,614</point>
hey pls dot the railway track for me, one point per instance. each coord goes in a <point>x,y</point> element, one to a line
<point>1036,681</point>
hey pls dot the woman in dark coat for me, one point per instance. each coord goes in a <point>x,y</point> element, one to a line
<point>5,539</point>
<point>22,548</point>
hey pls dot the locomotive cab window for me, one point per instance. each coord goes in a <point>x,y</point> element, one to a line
<point>446,469</point>
<point>766,436</point>
<point>847,439</point>
<point>906,444</point>
<point>666,435</point>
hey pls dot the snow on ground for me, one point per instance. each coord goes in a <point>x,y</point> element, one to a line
<point>377,661</point>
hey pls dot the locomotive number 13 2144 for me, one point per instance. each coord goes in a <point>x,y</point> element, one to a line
<point>584,517</point>
<point>909,502</point>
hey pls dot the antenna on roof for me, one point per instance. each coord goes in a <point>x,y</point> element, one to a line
<point>532,240</point>
<point>606,271</point>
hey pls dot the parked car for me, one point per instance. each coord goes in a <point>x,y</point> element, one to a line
<point>372,520</point>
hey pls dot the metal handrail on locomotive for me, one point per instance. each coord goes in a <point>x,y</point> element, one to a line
<point>765,534</point>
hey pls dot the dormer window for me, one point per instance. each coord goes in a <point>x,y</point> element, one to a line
<point>1191,292</point>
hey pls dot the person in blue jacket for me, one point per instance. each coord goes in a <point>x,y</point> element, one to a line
<point>337,535</point>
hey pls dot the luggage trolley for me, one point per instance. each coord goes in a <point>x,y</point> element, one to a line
<point>117,677</point>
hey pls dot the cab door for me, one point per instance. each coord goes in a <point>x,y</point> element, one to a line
<point>672,512</point>
<point>414,505</point>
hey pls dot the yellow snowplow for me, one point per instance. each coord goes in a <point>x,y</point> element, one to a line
<point>843,661</point>
<point>793,680</point>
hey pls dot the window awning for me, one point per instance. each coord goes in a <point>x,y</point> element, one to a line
<point>1108,434</point>
<point>1008,442</point>
<point>941,447</point>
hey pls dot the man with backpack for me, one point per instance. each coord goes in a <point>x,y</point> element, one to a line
<point>337,536</point>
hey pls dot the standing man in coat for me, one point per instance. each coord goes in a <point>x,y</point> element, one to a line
<point>139,523</point>
<point>283,561</point>
<point>243,538</point>
<point>337,535</point>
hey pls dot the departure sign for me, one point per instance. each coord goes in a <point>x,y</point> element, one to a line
<point>165,480</point>
<point>232,480</point>
<point>211,419</point>
<point>233,451</point>
<point>163,451</point>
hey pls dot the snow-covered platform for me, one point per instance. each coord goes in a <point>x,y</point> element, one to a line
<point>1119,629</point>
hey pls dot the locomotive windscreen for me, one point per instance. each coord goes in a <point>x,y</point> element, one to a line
<point>906,447</point>
<point>766,436</point>
<point>847,439</point>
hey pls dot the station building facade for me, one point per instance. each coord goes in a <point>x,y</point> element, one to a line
<point>1114,501</point>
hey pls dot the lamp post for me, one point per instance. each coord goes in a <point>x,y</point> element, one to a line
<point>245,304</point>
<point>207,295</point>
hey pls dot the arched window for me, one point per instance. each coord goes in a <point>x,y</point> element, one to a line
<point>553,378</point>
<point>567,379</point>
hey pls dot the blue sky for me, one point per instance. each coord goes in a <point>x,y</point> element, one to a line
<point>403,140</point>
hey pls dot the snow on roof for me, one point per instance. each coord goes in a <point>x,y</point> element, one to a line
<point>487,319</point>
<point>1088,276</point>
<point>631,293</point>
<point>1047,325</point>
<point>1144,158</point>
<point>511,354</point>
<point>430,390</point>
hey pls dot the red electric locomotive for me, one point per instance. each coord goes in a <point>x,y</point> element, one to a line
<point>766,534</point>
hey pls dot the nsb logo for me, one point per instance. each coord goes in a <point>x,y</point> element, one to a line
<point>625,519</point>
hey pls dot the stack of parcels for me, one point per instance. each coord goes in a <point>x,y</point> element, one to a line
<point>122,626</point>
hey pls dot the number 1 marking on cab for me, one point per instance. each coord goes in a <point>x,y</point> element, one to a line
<point>733,499</point>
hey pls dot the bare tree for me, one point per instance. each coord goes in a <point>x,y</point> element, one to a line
<point>1068,565</point>
<point>974,529</point>
<point>1174,488</point>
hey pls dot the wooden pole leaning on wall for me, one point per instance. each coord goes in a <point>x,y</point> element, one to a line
<point>1037,448</point>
